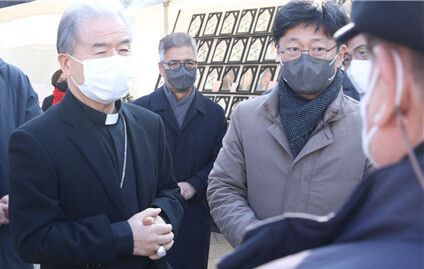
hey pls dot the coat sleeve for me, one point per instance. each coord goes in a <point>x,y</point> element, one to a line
<point>227,190</point>
<point>39,230</point>
<point>32,106</point>
<point>168,196</point>
<point>200,180</point>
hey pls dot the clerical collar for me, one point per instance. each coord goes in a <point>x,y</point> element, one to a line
<point>101,118</point>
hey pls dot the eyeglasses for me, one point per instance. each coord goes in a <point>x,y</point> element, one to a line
<point>175,65</point>
<point>360,53</point>
<point>294,52</point>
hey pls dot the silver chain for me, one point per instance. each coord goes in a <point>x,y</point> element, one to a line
<point>125,152</point>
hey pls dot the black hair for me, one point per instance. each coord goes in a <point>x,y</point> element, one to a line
<point>328,15</point>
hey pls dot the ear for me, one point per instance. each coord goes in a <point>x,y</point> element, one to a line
<point>64,61</point>
<point>161,70</point>
<point>339,59</point>
<point>383,96</point>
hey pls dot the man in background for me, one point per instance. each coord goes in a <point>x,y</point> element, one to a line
<point>18,104</point>
<point>194,128</point>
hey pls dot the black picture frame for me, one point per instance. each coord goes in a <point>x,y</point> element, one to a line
<point>234,102</point>
<point>193,18</point>
<point>256,43</point>
<point>264,71</point>
<point>248,74</point>
<point>207,85</point>
<point>223,101</point>
<point>208,44</point>
<point>241,43</point>
<point>227,79</point>
<point>211,16</point>
<point>223,41</point>
<point>263,12</point>
<point>246,27</point>
<point>234,13</point>
<point>199,76</point>
<point>270,54</point>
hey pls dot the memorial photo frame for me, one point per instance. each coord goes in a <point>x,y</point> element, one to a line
<point>203,50</point>
<point>223,101</point>
<point>256,47</point>
<point>238,49</point>
<point>247,79</point>
<point>236,100</point>
<point>213,75</point>
<point>229,78</point>
<point>246,21</point>
<point>199,76</point>
<point>264,20</point>
<point>271,51</point>
<point>265,79</point>
<point>196,24</point>
<point>221,49</point>
<point>229,22</point>
<point>212,23</point>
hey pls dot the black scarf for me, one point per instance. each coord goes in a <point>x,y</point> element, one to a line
<point>300,115</point>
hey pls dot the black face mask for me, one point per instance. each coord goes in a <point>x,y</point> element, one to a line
<point>62,86</point>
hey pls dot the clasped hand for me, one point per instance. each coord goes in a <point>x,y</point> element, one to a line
<point>4,210</point>
<point>149,231</point>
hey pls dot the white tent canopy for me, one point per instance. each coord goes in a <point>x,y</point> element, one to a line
<point>29,36</point>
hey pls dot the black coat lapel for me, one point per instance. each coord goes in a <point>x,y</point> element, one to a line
<point>92,149</point>
<point>160,105</point>
<point>142,158</point>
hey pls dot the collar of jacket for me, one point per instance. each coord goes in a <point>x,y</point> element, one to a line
<point>335,111</point>
<point>160,102</point>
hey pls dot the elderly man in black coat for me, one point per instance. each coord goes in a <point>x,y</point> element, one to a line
<point>91,181</point>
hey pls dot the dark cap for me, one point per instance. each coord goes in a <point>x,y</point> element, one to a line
<point>400,22</point>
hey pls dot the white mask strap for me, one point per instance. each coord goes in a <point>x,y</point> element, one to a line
<point>399,90</point>
<point>74,58</point>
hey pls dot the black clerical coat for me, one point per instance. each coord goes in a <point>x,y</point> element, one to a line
<point>64,194</point>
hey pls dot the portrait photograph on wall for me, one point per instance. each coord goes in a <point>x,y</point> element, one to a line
<point>199,75</point>
<point>223,101</point>
<point>236,100</point>
<point>271,53</point>
<point>247,78</point>
<point>265,78</point>
<point>229,78</point>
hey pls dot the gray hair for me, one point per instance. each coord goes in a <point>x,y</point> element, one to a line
<point>74,17</point>
<point>176,40</point>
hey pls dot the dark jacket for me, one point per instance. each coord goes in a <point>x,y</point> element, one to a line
<point>194,148</point>
<point>18,104</point>
<point>64,203</point>
<point>47,102</point>
<point>380,226</point>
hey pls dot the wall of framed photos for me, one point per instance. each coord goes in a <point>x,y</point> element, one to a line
<point>236,53</point>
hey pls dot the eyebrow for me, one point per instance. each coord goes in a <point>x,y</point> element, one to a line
<point>313,39</point>
<point>99,45</point>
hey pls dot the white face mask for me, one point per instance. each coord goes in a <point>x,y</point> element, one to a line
<point>359,74</point>
<point>367,136</point>
<point>106,79</point>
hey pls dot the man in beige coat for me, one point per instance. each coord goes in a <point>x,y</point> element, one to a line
<point>298,148</point>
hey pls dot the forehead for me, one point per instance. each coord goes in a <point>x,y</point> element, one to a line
<point>305,34</point>
<point>102,29</point>
<point>179,53</point>
<point>356,41</point>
